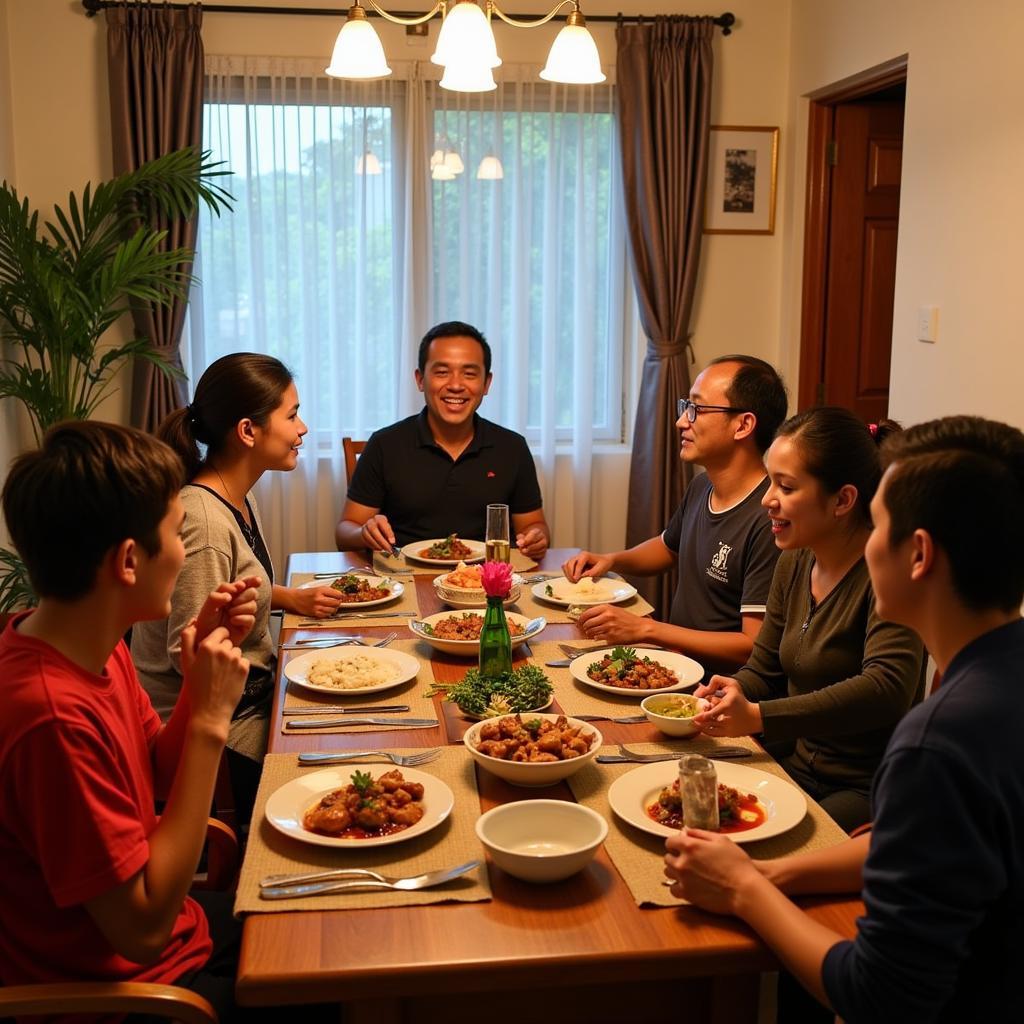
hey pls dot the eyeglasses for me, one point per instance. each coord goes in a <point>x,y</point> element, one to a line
<point>684,407</point>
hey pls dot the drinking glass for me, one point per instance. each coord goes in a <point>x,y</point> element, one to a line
<point>698,790</point>
<point>497,544</point>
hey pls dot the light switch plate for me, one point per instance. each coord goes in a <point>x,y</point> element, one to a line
<point>928,323</point>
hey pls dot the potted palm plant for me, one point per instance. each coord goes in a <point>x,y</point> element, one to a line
<point>65,282</point>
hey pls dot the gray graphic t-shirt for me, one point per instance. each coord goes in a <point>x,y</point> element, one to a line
<point>726,559</point>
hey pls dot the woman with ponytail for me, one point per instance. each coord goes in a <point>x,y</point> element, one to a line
<point>827,680</point>
<point>242,422</point>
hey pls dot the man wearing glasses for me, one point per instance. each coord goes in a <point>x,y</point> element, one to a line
<point>719,537</point>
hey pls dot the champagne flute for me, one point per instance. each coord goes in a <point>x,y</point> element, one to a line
<point>497,545</point>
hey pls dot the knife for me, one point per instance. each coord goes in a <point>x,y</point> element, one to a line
<point>337,709</point>
<point>327,723</point>
<point>559,663</point>
<point>354,615</point>
<point>713,755</point>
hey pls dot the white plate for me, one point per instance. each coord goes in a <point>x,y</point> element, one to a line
<point>298,669</point>
<point>471,648</point>
<point>630,795</point>
<point>564,593</point>
<point>690,672</point>
<point>287,805</point>
<point>397,590</point>
<point>410,552</point>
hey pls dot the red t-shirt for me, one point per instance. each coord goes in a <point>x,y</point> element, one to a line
<point>76,808</point>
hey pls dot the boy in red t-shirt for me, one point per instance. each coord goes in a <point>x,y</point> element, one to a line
<point>94,886</point>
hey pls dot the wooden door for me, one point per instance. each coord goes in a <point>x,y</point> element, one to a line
<point>866,159</point>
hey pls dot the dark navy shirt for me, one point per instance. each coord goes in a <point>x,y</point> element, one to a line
<point>426,494</point>
<point>943,935</point>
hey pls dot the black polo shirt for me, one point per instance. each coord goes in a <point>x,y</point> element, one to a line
<point>426,494</point>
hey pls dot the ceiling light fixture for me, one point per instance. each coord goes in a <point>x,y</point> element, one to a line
<point>465,45</point>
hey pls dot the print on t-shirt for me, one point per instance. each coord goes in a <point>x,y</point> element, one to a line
<point>718,570</point>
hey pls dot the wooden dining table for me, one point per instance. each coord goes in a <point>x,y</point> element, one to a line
<point>579,950</point>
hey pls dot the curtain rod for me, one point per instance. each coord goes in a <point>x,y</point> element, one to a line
<point>93,7</point>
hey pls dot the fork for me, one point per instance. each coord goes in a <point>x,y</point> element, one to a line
<point>340,757</point>
<point>623,720</point>
<point>425,881</point>
<point>323,643</point>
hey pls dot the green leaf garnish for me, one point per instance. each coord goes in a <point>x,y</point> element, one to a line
<point>362,781</point>
<point>523,689</point>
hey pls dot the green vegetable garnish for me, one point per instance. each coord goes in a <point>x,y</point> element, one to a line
<point>523,689</point>
<point>549,590</point>
<point>362,782</point>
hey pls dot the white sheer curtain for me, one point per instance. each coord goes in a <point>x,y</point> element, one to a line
<point>338,272</point>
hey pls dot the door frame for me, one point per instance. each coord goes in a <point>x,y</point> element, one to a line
<point>817,211</point>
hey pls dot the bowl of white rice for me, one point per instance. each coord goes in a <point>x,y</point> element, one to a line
<point>351,670</point>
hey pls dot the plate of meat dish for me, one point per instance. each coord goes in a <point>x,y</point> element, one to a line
<point>752,804</point>
<point>355,808</point>
<point>627,670</point>
<point>459,632</point>
<point>366,591</point>
<point>445,551</point>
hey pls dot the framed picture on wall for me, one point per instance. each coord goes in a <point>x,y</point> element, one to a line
<point>742,166</point>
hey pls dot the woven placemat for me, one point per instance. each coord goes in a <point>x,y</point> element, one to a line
<point>406,603</point>
<point>640,857</point>
<point>530,606</point>
<point>576,698</point>
<point>450,843</point>
<point>412,693</point>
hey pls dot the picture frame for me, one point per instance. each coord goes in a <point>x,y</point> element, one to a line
<point>742,174</point>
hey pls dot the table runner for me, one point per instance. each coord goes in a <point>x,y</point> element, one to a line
<point>406,603</point>
<point>452,842</point>
<point>576,698</point>
<point>639,857</point>
<point>412,693</point>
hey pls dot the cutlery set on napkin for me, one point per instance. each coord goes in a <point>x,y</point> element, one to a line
<point>287,887</point>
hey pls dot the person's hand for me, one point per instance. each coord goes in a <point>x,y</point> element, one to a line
<point>613,625</point>
<point>586,563</point>
<point>215,677</point>
<point>533,542</point>
<point>731,714</point>
<point>708,869</point>
<point>231,605</point>
<point>314,602</point>
<point>377,533</point>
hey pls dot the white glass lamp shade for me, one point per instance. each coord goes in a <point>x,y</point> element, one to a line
<point>453,162</point>
<point>368,163</point>
<point>466,32</point>
<point>357,50</point>
<point>490,169</point>
<point>437,157</point>
<point>442,173</point>
<point>573,59</point>
<point>461,76</point>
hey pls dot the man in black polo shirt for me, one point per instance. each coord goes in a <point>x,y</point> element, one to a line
<point>435,473</point>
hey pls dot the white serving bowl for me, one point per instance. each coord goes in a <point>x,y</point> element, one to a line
<point>541,840</point>
<point>471,648</point>
<point>526,773</point>
<point>473,597</point>
<point>670,726</point>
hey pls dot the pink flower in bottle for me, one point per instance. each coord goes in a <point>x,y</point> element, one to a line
<point>496,578</point>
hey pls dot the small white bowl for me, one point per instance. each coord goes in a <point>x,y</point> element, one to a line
<point>666,723</point>
<point>466,597</point>
<point>541,840</point>
<point>538,773</point>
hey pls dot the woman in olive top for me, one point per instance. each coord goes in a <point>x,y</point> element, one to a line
<point>827,680</point>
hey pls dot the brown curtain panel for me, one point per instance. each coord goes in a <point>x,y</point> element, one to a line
<point>664,99</point>
<point>155,65</point>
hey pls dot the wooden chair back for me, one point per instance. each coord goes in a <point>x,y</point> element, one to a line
<point>353,449</point>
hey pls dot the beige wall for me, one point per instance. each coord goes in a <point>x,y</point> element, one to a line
<point>960,241</point>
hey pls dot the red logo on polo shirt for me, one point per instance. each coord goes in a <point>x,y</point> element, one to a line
<point>491,474</point>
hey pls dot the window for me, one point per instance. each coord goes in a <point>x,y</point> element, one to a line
<point>342,250</point>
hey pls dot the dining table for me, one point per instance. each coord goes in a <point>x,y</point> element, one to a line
<point>577,950</point>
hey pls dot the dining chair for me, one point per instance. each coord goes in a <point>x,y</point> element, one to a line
<point>353,449</point>
<point>122,997</point>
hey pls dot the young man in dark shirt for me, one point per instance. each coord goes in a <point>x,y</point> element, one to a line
<point>435,473</point>
<point>942,871</point>
<point>720,537</point>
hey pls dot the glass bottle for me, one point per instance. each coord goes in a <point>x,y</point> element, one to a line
<point>495,641</point>
<point>698,790</point>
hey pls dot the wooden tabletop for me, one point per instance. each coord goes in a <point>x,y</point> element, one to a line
<point>585,937</point>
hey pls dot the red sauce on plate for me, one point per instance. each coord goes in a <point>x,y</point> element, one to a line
<point>355,832</point>
<point>730,803</point>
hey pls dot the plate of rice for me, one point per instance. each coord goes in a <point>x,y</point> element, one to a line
<point>355,670</point>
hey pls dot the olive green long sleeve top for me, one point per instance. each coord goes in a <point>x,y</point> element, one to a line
<point>832,676</point>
